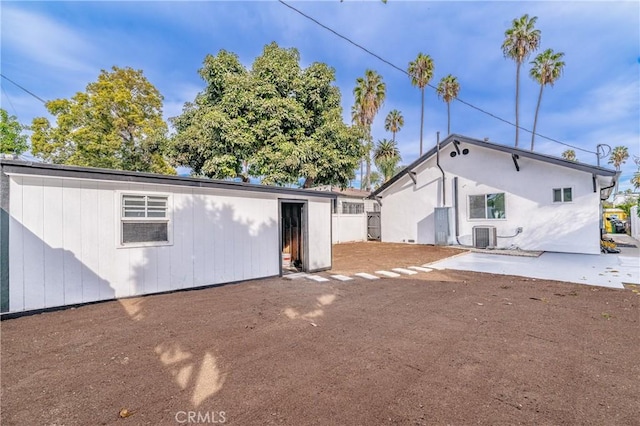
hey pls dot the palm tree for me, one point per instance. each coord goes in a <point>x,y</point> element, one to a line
<point>520,40</point>
<point>394,122</point>
<point>421,71</point>
<point>547,68</point>
<point>619,156</point>
<point>448,90</point>
<point>635,180</point>
<point>570,155</point>
<point>386,157</point>
<point>369,93</point>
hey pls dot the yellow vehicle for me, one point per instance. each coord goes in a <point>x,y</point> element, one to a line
<point>614,220</point>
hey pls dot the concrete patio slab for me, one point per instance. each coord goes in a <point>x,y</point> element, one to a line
<point>606,270</point>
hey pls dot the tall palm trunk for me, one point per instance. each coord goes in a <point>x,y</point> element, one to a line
<point>362,173</point>
<point>535,119</point>
<point>448,118</point>
<point>421,120</point>
<point>517,100</point>
<point>367,179</point>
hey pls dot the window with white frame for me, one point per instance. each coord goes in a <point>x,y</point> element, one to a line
<point>562,195</point>
<point>352,208</point>
<point>487,206</point>
<point>144,219</point>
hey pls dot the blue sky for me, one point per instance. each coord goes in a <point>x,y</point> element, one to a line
<point>54,49</point>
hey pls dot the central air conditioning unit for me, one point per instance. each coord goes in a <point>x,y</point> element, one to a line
<point>484,236</point>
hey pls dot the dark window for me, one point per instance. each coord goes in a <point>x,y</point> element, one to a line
<point>562,195</point>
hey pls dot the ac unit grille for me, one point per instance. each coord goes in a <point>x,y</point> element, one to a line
<point>484,236</point>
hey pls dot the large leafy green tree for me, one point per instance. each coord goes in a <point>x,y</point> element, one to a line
<point>519,41</point>
<point>370,92</point>
<point>547,68</point>
<point>421,72</point>
<point>275,121</point>
<point>619,156</point>
<point>394,122</point>
<point>12,141</point>
<point>386,156</point>
<point>117,124</point>
<point>448,90</point>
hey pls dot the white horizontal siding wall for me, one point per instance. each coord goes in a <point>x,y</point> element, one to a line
<point>407,209</point>
<point>63,238</point>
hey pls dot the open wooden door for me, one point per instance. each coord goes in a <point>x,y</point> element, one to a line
<point>293,234</point>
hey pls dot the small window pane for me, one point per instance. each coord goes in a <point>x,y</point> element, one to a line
<point>477,206</point>
<point>352,208</point>
<point>557,195</point>
<point>133,213</point>
<point>144,232</point>
<point>495,206</point>
<point>567,194</point>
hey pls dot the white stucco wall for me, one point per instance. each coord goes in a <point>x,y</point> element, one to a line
<point>64,240</point>
<point>635,223</point>
<point>407,209</point>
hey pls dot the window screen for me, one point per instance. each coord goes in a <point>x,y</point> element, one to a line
<point>141,232</point>
<point>476,206</point>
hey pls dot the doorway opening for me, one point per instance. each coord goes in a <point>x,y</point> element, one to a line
<point>293,236</point>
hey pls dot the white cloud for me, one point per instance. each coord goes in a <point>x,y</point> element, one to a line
<point>43,41</point>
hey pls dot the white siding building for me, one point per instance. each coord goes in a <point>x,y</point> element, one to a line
<point>495,196</point>
<point>71,235</point>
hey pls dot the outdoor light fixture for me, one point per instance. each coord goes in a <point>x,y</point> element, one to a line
<point>456,145</point>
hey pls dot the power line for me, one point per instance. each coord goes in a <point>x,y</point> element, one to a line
<point>31,93</point>
<point>347,39</point>
<point>9,99</point>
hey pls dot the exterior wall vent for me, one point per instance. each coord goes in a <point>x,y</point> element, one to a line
<point>484,236</point>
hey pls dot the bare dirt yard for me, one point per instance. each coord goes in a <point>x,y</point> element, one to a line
<point>437,348</point>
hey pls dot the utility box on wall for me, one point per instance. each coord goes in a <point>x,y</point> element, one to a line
<point>442,225</point>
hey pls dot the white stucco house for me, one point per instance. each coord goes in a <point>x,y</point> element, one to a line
<point>73,235</point>
<point>482,194</point>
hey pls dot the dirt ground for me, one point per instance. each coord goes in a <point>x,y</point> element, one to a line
<point>351,258</point>
<point>446,347</point>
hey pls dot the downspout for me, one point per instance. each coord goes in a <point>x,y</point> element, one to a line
<point>456,209</point>
<point>444,197</point>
